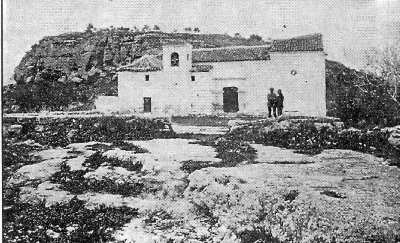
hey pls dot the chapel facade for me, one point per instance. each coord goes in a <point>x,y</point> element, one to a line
<point>182,80</point>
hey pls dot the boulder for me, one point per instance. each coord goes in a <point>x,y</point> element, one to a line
<point>394,138</point>
<point>31,174</point>
<point>320,125</point>
<point>117,174</point>
<point>76,79</point>
<point>15,129</point>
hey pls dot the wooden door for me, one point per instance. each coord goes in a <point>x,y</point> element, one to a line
<point>230,99</point>
<point>146,104</point>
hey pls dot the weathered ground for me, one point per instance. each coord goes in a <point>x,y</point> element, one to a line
<point>277,196</point>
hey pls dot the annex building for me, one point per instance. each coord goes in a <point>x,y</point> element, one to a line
<point>182,80</point>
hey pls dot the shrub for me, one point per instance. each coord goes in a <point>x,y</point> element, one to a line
<point>63,131</point>
<point>14,156</point>
<point>97,159</point>
<point>76,183</point>
<point>233,151</point>
<point>190,165</point>
<point>307,139</point>
<point>70,222</point>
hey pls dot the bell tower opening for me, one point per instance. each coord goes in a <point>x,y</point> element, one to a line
<point>174,59</point>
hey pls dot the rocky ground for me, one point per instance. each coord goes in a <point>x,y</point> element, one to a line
<point>204,188</point>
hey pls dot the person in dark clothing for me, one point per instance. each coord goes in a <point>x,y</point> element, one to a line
<point>271,102</point>
<point>279,102</point>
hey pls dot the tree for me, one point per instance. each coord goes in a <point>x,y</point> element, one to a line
<point>156,27</point>
<point>385,63</point>
<point>237,35</point>
<point>255,37</point>
<point>188,29</point>
<point>145,28</point>
<point>196,29</point>
<point>89,28</point>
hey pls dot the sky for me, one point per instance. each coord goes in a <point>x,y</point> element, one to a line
<point>348,26</point>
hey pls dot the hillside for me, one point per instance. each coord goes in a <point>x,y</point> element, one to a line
<point>68,71</point>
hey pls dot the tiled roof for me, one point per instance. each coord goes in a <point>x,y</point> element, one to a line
<point>146,63</point>
<point>311,42</point>
<point>231,54</point>
<point>200,68</point>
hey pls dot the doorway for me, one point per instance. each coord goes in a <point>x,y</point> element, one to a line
<point>230,99</point>
<point>146,104</point>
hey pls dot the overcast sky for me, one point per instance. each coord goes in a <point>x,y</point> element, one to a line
<point>27,21</point>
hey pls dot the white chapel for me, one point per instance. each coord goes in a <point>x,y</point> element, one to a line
<point>236,79</point>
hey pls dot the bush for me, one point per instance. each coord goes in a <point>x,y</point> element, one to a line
<point>229,150</point>
<point>357,97</point>
<point>307,139</point>
<point>76,183</point>
<point>70,222</point>
<point>190,166</point>
<point>233,151</point>
<point>14,156</point>
<point>97,159</point>
<point>63,131</point>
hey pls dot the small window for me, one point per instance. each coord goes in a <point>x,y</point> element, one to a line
<point>147,77</point>
<point>174,59</point>
<point>193,78</point>
<point>187,56</point>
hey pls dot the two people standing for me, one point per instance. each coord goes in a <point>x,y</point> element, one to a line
<point>275,102</point>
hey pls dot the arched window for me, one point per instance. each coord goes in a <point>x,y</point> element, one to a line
<point>174,59</point>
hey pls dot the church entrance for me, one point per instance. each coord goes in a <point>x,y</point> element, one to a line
<point>146,104</point>
<point>230,99</point>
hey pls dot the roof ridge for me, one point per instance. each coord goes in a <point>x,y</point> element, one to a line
<point>299,37</point>
<point>231,47</point>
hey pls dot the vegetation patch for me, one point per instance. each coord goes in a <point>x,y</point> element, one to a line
<point>190,166</point>
<point>233,151</point>
<point>291,195</point>
<point>76,183</point>
<point>97,159</point>
<point>162,219</point>
<point>69,222</point>
<point>16,155</point>
<point>117,144</point>
<point>63,131</point>
<point>332,194</point>
<point>306,138</point>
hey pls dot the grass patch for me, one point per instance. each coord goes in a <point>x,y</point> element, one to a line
<point>69,222</point>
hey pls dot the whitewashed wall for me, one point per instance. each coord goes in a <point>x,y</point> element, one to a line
<point>304,92</point>
<point>173,92</point>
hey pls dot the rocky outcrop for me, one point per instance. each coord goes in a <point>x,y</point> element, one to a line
<point>295,202</point>
<point>90,59</point>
